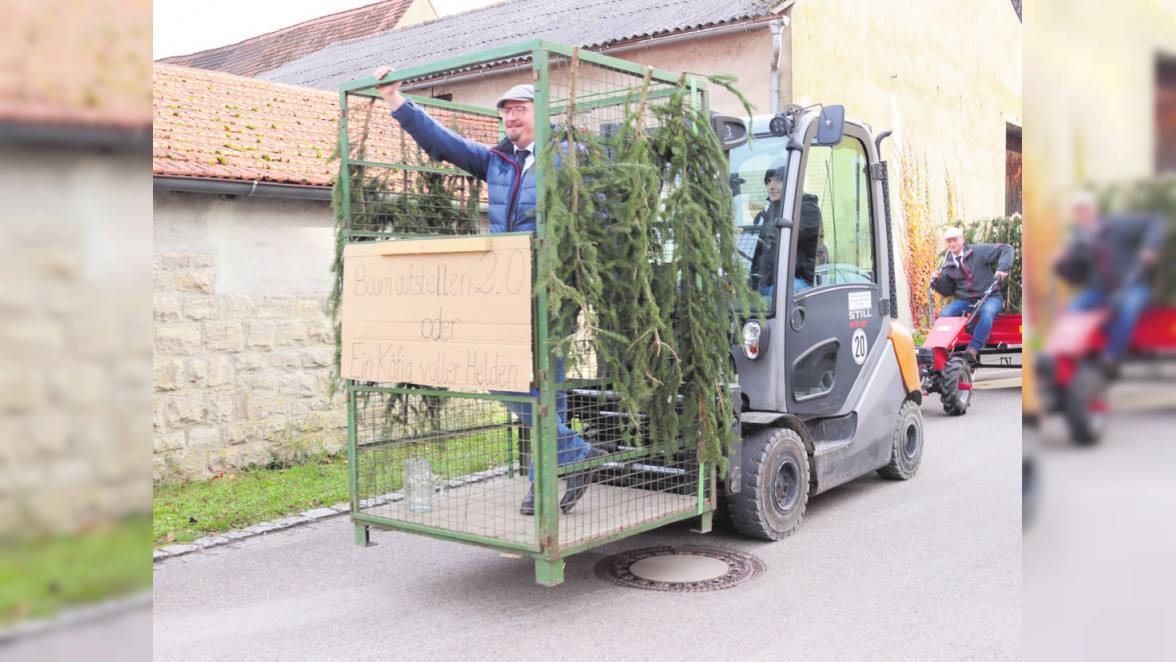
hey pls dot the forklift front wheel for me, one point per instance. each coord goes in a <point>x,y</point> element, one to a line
<point>775,487</point>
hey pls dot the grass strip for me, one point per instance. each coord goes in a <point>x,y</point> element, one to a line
<point>184,512</point>
<point>41,576</point>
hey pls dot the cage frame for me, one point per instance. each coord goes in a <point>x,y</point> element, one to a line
<point>548,552</point>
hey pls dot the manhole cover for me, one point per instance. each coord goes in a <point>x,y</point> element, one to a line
<point>684,569</point>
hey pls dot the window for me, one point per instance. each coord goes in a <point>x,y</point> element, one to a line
<point>1012,170</point>
<point>1166,115</point>
<point>835,243</point>
<point>757,184</point>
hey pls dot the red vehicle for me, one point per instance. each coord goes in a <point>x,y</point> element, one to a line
<point>946,370</point>
<point>1073,381</point>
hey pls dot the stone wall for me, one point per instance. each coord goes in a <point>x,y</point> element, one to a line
<point>243,347</point>
<point>74,349</point>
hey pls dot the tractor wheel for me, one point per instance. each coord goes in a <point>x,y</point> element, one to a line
<point>906,447</point>
<point>955,399</point>
<point>1084,405</point>
<point>775,487</point>
<point>1030,480</point>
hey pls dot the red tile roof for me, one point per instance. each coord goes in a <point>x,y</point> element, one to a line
<point>214,125</point>
<point>72,63</point>
<point>272,50</point>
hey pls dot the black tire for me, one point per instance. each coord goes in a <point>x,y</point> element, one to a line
<point>906,446</point>
<point>775,490</point>
<point>1084,405</point>
<point>1030,480</point>
<point>955,399</point>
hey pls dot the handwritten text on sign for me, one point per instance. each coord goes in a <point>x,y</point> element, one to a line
<point>452,312</point>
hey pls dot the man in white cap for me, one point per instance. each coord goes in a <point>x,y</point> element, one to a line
<point>1110,257</point>
<point>510,180</point>
<point>967,271</point>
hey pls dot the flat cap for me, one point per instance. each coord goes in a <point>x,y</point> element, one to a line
<point>517,93</point>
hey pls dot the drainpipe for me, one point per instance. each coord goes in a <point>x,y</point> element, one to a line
<point>776,26</point>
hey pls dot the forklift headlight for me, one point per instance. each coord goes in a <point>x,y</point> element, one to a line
<point>755,339</point>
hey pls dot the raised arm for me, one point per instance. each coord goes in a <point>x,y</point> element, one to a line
<point>438,141</point>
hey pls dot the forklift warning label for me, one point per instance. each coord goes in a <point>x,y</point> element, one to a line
<point>452,312</point>
<point>859,310</point>
<point>859,301</point>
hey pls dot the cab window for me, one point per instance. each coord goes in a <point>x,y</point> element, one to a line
<point>757,174</point>
<point>835,234</point>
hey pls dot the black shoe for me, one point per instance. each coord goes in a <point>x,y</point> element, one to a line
<point>973,356</point>
<point>578,482</point>
<point>528,505</point>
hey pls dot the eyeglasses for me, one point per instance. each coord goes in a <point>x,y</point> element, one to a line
<point>517,111</point>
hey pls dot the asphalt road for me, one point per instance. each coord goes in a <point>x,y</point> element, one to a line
<point>924,569</point>
<point>1099,569</point>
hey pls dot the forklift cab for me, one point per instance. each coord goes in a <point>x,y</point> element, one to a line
<point>821,263</point>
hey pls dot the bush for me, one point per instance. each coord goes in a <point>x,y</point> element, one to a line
<point>1157,195</point>
<point>1002,230</point>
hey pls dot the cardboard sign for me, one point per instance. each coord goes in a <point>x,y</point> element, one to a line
<point>452,312</point>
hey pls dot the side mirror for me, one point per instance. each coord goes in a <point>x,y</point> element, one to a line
<point>831,125</point>
<point>732,132</point>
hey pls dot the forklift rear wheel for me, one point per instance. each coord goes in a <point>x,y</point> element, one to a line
<point>1085,405</point>
<point>906,447</point>
<point>955,399</point>
<point>775,487</point>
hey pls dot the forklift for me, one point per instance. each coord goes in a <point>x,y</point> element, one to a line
<point>829,388</point>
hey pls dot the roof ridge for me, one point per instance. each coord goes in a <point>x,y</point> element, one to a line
<point>326,18</point>
<point>245,81</point>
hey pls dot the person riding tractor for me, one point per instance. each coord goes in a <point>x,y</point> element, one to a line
<point>968,270</point>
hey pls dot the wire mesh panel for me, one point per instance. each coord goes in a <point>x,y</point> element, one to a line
<point>441,461</point>
<point>394,187</point>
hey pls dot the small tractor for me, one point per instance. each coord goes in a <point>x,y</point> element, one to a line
<point>944,368</point>
<point>1072,379</point>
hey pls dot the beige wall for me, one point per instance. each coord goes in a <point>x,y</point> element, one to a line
<point>1091,89</point>
<point>243,347</point>
<point>945,75</point>
<point>74,352</point>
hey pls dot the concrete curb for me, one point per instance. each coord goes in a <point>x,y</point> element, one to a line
<point>75,616</point>
<point>306,517</point>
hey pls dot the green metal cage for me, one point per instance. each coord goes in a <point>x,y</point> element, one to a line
<point>471,454</point>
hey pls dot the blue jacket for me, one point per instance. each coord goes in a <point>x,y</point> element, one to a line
<point>512,197</point>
